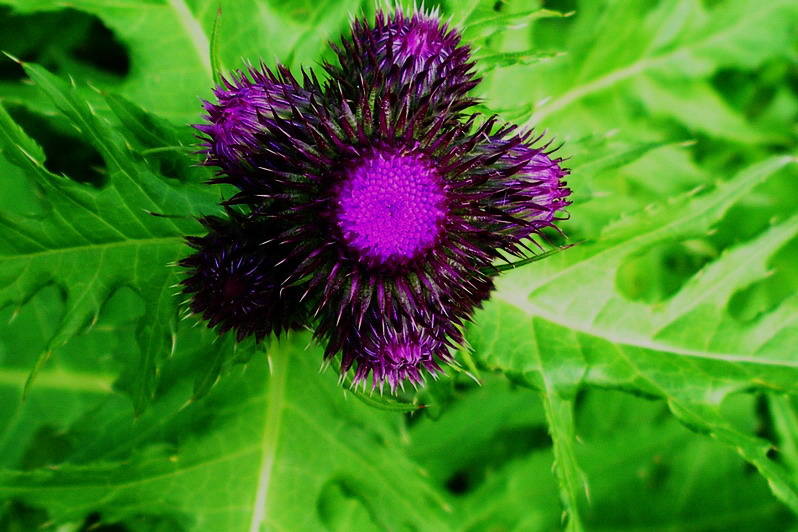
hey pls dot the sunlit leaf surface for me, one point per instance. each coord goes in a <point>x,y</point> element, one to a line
<point>643,378</point>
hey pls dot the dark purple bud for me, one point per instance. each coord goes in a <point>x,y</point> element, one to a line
<point>394,356</point>
<point>234,283</point>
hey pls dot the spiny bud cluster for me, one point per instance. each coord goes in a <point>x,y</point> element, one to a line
<point>370,207</point>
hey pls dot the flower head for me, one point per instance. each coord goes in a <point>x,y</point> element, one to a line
<point>390,206</point>
<point>389,203</point>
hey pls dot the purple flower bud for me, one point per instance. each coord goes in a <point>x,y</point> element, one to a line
<point>397,356</point>
<point>533,191</point>
<point>234,121</point>
<point>421,38</point>
<point>393,348</point>
<point>235,283</point>
<point>417,62</point>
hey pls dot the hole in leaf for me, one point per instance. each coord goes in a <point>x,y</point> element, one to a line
<point>18,517</point>
<point>564,6</point>
<point>661,271</point>
<point>766,294</point>
<point>750,92</point>
<point>100,49</point>
<point>168,168</point>
<point>93,524</point>
<point>63,41</point>
<point>65,153</point>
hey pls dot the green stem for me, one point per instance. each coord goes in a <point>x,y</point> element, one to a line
<point>560,417</point>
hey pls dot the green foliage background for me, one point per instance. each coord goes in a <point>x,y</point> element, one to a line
<point>644,379</point>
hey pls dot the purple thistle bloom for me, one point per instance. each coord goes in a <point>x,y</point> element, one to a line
<point>234,282</point>
<point>389,204</point>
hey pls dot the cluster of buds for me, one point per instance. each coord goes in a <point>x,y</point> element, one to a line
<point>371,206</point>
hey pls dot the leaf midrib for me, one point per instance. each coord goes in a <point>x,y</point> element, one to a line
<point>195,33</point>
<point>79,381</point>
<point>275,406</point>
<point>643,342</point>
<point>98,247</point>
<point>623,73</point>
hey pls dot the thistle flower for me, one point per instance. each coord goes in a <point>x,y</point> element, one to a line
<point>389,203</point>
<point>235,283</point>
<point>393,216</point>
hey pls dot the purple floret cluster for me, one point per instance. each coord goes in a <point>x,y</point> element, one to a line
<point>371,206</point>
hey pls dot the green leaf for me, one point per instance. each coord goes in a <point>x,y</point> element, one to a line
<point>676,39</point>
<point>92,242</point>
<point>272,426</point>
<point>579,331</point>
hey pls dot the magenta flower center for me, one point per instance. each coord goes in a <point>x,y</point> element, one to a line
<point>390,207</point>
